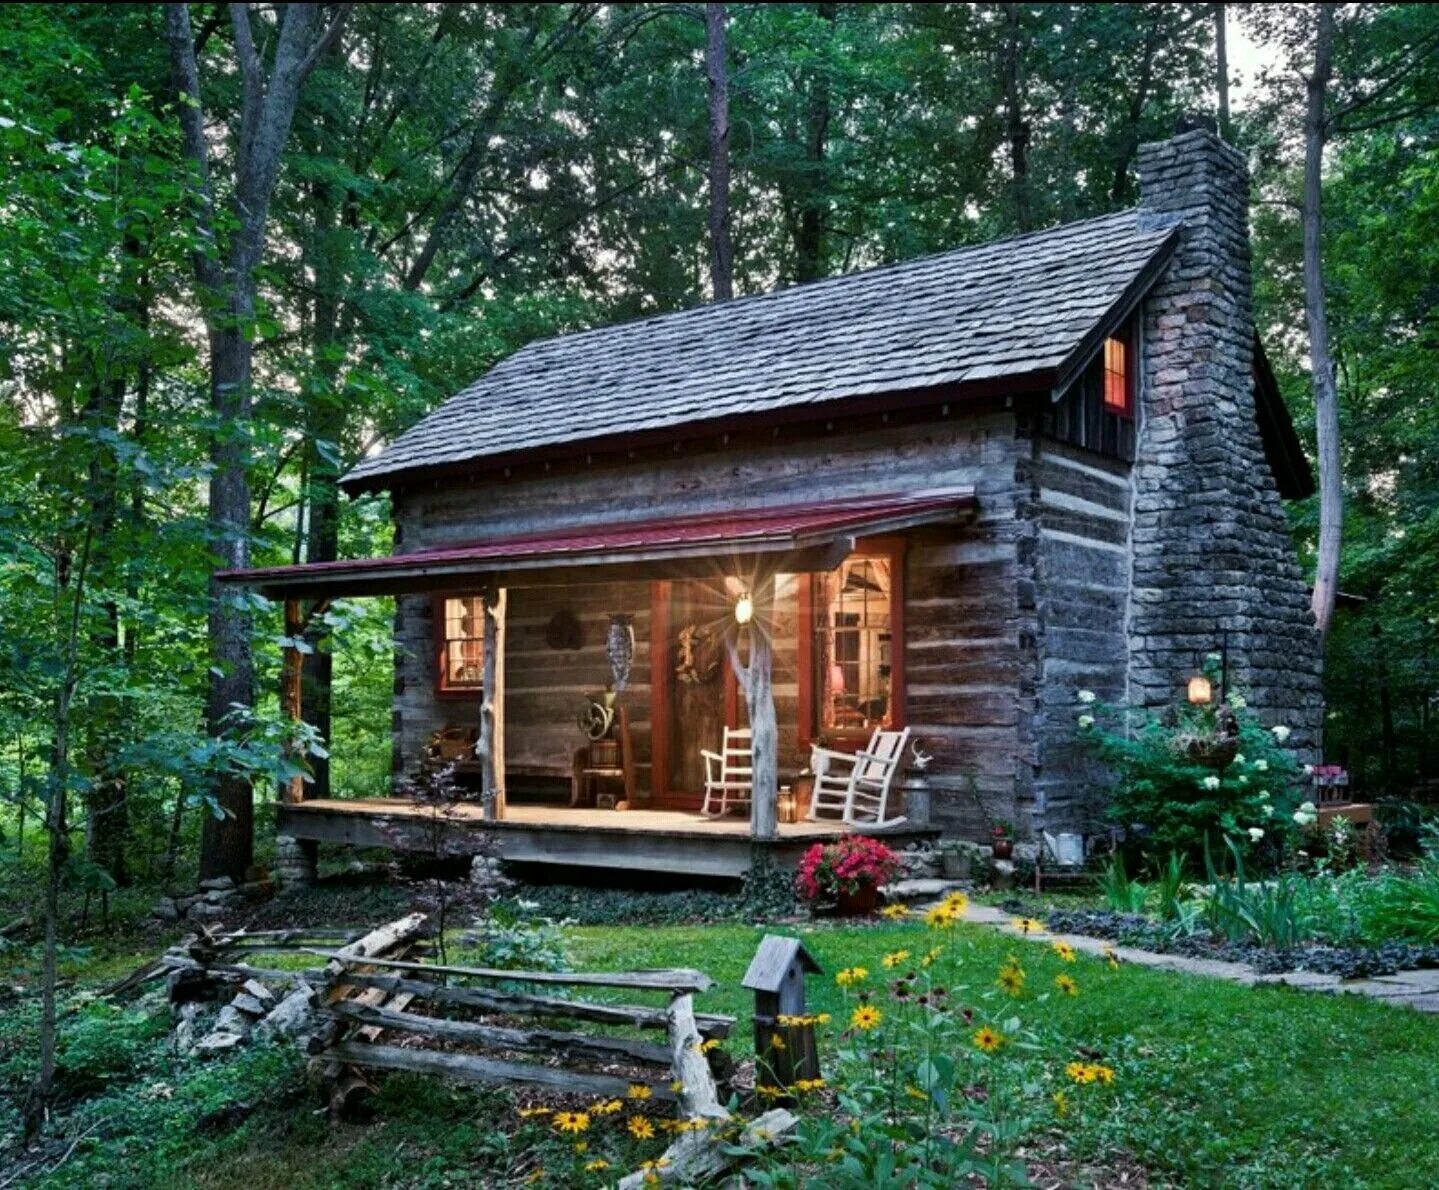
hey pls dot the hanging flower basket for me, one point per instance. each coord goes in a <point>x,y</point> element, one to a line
<point>1207,748</point>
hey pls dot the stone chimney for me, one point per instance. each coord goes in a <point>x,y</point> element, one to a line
<point>1212,554</point>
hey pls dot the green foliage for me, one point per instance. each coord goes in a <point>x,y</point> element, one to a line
<point>1121,893</point>
<point>509,936</point>
<point>1267,912</point>
<point>1191,775</point>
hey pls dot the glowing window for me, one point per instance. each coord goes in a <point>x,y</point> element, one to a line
<point>1116,377</point>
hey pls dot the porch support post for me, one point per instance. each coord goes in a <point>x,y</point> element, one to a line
<point>755,680</point>
<point>292,685</point>
<point>491,747</point>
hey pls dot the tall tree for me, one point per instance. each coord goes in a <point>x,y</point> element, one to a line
<point>717,71</point>
<point>1321,359</point>
<point>226,264</point>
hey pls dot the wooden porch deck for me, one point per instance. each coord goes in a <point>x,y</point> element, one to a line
<point>638,840</point>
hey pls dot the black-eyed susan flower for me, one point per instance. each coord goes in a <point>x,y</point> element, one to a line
<point>640,1127</point>
<point>776,1042</point>
<point>1011,979</point>
<point>941,917</point>
<point>894,912</point>
<point>1063,950</point>
<point>895,958</point>
<point>1066,984</point>
<point>851,976</point>
<point>865,1018</point>
<point>769,1091</point>
<point>987,1039</point>
<point>571,1121</point>
<point>639,1091</point>
<point>957,902</point>
<point>527,1112</point>
<point>1027,925</point>
<point>806,1086</point>
<point>597,1165</point>
<point>606,1107</point>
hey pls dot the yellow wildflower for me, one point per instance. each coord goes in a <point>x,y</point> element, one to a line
<point>865,1018</point>
<point>1079,1072</point>
<point>607,1107</point>
<point>1090,1072</point>
<point>571,1121</point>
<point>639,1091</point>
<point>941,917</point>
<point>851,976</point>
<point>1066,984</point>
<point>596,1165</point>
<point>895,959</point>
<point>930,955</point>
<point>894,912</point>
<point>582,1147</point>
<point>806,1085</point>
<point>822,1018</point>
<point>707,1046</point>
<point>640,1128</point>
<point>1027,925</point>
<point>776,1042</point>
<point>958,902</point>
<point>1061,1104</point>
<point>677,1085</point>
<point>769,1091</point>
<point>693,1124</point>
<point>1104,1074</point>
<point>987,1039</point>
<point>527,1112</point>
<point>1111,958</point>
<point>1011,979</point>
<point>1064,951</point>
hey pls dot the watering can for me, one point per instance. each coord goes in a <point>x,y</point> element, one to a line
<point>1066,847</point>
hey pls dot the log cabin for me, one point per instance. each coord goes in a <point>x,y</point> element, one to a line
<point>940,496</point>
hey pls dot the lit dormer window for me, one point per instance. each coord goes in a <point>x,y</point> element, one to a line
<point>1118,395</point>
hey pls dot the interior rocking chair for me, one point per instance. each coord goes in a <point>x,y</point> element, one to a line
<point>855,785</point>
<point>729,773</point>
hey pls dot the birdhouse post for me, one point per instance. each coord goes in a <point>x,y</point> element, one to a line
<point>786,1052</point>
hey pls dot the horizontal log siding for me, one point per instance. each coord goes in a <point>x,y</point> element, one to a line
<point>963,625</point>
<point>1083,570</point>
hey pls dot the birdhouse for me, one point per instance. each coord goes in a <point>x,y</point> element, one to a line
<point>785,1051</point>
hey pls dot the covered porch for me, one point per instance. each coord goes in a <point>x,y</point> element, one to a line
<point>786,623</point>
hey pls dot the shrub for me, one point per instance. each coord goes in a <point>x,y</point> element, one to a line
<point>849,866</point>
<point>1193,774</point>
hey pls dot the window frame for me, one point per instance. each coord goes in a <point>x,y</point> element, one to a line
<point>811,728</point>
<point>1124,337</point>
<point>443,687</point>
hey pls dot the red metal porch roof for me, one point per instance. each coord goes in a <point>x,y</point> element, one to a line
<point>792,528</point>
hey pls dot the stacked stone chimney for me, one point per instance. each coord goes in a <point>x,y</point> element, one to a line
<point>1211,549</point>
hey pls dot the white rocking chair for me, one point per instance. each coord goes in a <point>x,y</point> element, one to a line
<point>729,773</point>
<point>856,785</point>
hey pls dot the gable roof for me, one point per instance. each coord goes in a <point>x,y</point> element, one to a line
<point>1033,307</point>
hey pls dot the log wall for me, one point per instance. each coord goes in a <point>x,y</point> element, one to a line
<point>966,638</point>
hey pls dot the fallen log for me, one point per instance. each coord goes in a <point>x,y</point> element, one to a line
<point>243,971</point>
<point>544,1041</point>
<point>677,981</point>
<point>697,1158</point>
<point>473,1069</point>
<point>639,1016</point>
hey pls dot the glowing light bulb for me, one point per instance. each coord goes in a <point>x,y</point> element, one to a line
<point>744,609</point>
<point>1199,691</point>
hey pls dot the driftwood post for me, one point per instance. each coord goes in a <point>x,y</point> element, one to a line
<point>491,746</point>
<point>776,976</point>
<point>292,685</point>
<point>755,680</point>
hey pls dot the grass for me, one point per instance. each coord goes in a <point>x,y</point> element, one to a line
<point>1218,1085</point>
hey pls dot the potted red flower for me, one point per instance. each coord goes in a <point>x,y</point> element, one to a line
<point>1003,840</point>
<point>849,873</point>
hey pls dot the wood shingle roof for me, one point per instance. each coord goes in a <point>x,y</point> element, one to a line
<point>1028,307</point>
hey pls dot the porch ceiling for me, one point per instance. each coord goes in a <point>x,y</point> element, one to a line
<point>796,537</point>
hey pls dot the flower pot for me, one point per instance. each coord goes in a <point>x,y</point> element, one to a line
<point>858,903</point>
<point>1004,849</point>
<point>958,865</point>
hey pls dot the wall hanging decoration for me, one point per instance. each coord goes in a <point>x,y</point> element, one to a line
<point>620,648</point>
<point>564,631</point>
<point>698,652</point>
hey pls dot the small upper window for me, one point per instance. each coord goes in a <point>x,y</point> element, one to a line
<point>463,658</point>
<point>1116,378</point>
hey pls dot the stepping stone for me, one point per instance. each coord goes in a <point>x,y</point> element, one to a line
<point>921,889</point>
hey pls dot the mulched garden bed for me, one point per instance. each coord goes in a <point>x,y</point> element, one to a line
<point>1132,929</point>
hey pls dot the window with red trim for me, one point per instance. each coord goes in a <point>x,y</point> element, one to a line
<point>855,671</point>
<point>462,642</point>
<point>1117,390</point>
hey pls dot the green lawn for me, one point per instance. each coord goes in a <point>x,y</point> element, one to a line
<point>1217,1085</point>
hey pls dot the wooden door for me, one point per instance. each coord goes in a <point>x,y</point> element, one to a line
<point>696,681</point>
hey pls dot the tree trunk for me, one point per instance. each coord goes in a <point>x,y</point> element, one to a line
<point>227,843</point>
<point>809,236</point>
<point>717,68</point>
<point>1321,361</point>
<point>1016,127</point>
<point>1221,56</point>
